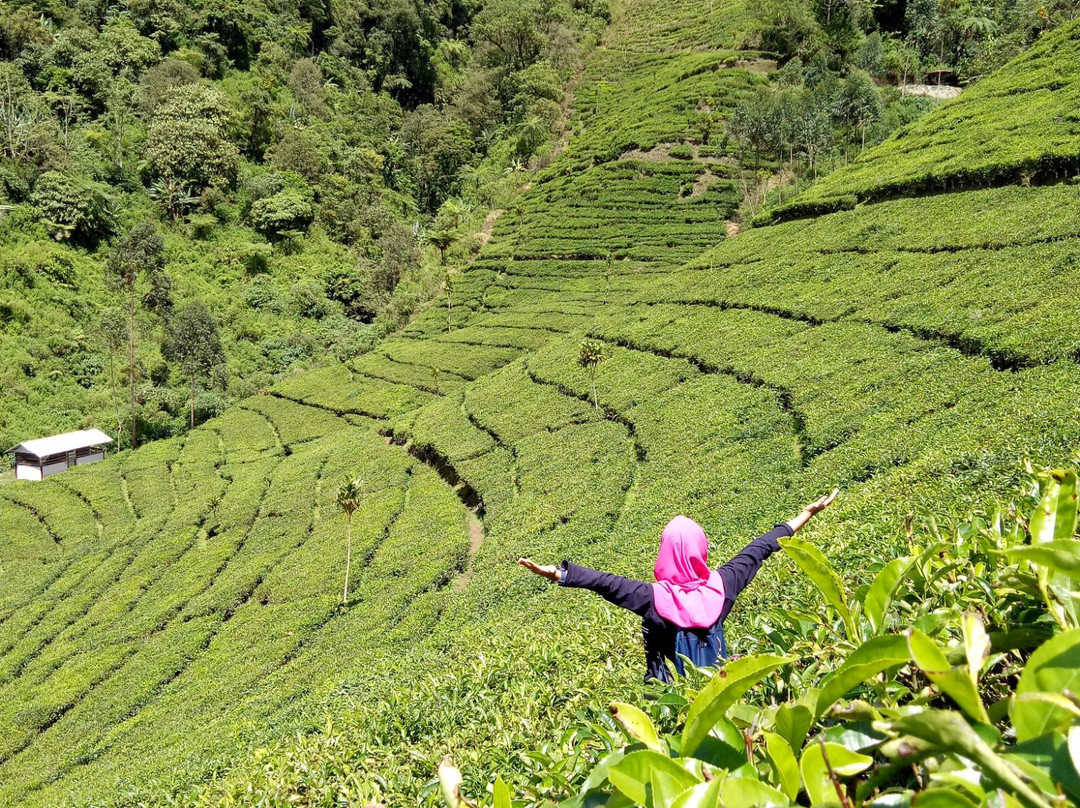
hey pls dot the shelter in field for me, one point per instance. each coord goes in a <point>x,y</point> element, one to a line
<point>37,459</point>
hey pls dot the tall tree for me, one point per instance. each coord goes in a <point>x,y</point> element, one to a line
<point>192,340</point>
<point>348,498</point>
<point>859,103</point>
<point>591,354</point>
<point>112,331</point>
<point>138,261</point>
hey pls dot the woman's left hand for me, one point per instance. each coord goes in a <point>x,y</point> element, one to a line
<point>819,505</point>
<point>549,571</point>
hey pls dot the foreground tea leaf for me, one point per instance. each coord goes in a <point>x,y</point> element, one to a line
<point>1055,517</point>
<point>815,770</point>
<point>883,589</point>
<point>818,569</point>
<point>951,733</point>
<point>957,683</point>
<point>500,794</point>
<point>450,784</point>
<point>784,764</point>
<point>745,791</point>
<point>635,772</point>
<point>1058,555</point>
<point>702,795</point>
<point>1054,667</point>
<point>727,685</point>
<point>637,724</point>
<point>869,659</point>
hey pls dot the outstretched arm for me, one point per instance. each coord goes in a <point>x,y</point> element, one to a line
<point>625,592</point>
<point>811,510</point>
<point>740,571</point>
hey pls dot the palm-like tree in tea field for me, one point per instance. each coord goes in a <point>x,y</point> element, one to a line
<point>591,355</point>
<point>348,497</point>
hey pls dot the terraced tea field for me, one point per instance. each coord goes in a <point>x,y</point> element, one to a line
<point>1017,126</point>
<point>167,611</point>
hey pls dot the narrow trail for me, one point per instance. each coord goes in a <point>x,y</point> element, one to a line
<point>476,540</point>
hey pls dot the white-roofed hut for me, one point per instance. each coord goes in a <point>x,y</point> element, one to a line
<point>37,459</point>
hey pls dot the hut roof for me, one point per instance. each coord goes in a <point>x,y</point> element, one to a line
<point>67,442</point>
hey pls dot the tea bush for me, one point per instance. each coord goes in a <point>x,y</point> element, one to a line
<point>171,628</point>
<point>939,677</point>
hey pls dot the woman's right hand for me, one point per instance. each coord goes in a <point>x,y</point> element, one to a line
<point>549,571</point>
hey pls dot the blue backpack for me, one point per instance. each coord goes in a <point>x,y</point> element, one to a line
<point>703,647</point>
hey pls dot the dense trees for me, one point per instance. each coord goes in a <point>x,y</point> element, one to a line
<point>906,41</point>
<point>307,145</point>
<point>188,146</point>
<point>193,342</point>
<point>811,112</point>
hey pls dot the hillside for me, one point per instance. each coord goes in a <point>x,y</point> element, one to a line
<point>1016,126</point>
<point>169,613</point>
<point>305,174</point>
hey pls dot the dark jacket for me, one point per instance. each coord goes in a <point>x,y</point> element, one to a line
<point>637,596</point>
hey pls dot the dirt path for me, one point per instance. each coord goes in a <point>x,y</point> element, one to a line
<point>476,539</point>
<point>489,224</point>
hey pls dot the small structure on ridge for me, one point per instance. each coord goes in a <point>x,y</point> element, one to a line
<point>37,459</point>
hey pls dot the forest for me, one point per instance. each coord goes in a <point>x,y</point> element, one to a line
<point>286,179</point>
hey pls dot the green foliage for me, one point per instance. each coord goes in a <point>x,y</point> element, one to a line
<point>170,627</point>
<point>207,118</point>
<point>589,357</point>
<point>188,142</point>
<point>193,342</point>
<point>874,737</point>
<point>286,213</point>
<point>1022,110</point>
<point>349,497</point>
<point>74,208</point>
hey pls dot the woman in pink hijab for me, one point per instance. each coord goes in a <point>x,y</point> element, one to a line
<point>682,614</point>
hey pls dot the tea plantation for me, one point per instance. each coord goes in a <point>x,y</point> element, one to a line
<point>171,626</point>
<point>1017,126</point>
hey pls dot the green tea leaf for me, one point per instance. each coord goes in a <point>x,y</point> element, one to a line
<point>500,794</point>
<point>926,653</point>
<point>958,684</point>
<point>784,764</point>
<point>1059,555</point>
<point>703,795</point>
<point>745,791</point>
<point>637,724</point>
<point>869,659</point>
<point>1074,747</point>
<point>945,798</point>
<point>951,733</point>
<point>666,788</point>
<point>883,588</point>
<point>815,771</point>
<point>793,721</point>
<point>727,685</point>
<point>976,643</point>
<point>634,773</point>
<point>1054,667</point>
<point>1055,516</point>
<point>818,569</point>
<point>450,785</point>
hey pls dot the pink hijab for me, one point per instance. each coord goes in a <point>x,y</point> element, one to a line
<point>687,592</point>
